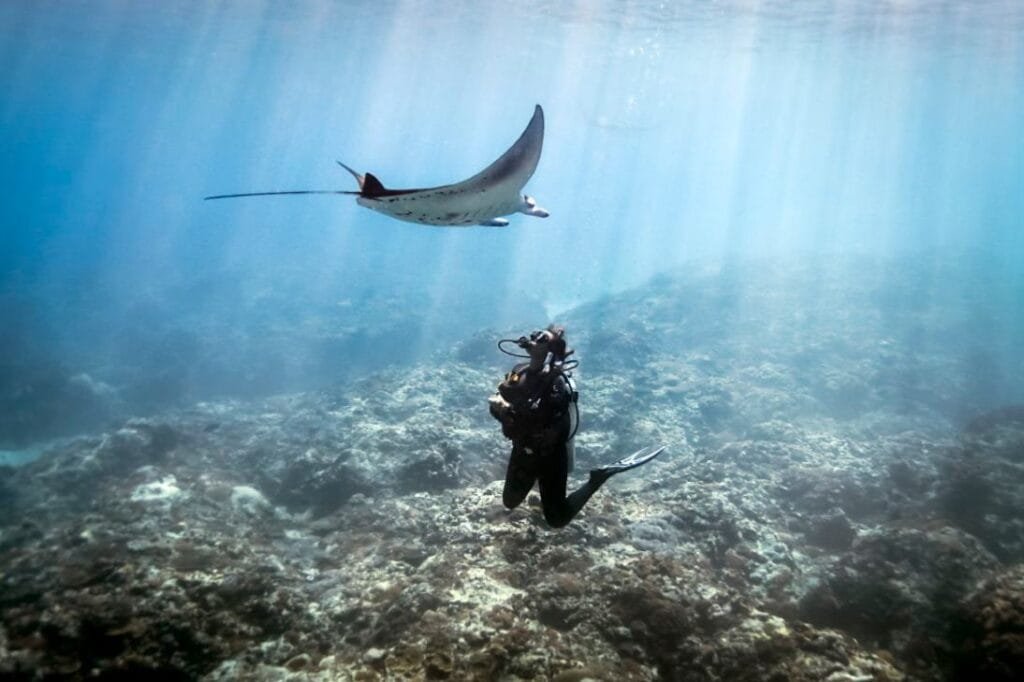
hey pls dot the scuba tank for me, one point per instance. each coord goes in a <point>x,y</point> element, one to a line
<point>536,396</point>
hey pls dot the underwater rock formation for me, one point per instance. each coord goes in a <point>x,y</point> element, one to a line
<point>988,632</point>
<point>981,486</point>
<point>896,589</point>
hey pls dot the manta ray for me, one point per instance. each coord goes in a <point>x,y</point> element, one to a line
<point>481,200</point>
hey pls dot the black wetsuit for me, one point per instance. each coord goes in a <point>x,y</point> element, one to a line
<point>540,426</point>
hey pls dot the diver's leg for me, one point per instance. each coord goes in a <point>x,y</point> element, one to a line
<point>519,477</point>
<point>559,509</point>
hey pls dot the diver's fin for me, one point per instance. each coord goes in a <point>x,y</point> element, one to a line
<point>638,458</point>
<point>269,194</point>
<point>495,222</point>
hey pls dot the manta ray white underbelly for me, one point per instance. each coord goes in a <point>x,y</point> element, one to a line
<point>483,199</point>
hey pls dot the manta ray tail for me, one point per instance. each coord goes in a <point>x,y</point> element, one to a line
<point>269,194</point>
<point>374,184</point>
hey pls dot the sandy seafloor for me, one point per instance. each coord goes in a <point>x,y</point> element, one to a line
<point>841,500</point>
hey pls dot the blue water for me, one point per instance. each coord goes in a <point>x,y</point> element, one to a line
<point>676,133</point>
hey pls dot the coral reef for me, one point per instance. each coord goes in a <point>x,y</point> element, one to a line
<point>823,513</point>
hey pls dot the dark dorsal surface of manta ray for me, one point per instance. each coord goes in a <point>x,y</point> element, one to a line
<point>483,199</point>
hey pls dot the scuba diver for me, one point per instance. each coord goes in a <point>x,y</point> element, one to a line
<point>537,407</point>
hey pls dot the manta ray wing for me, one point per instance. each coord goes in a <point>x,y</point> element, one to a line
<point>516,166</point>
